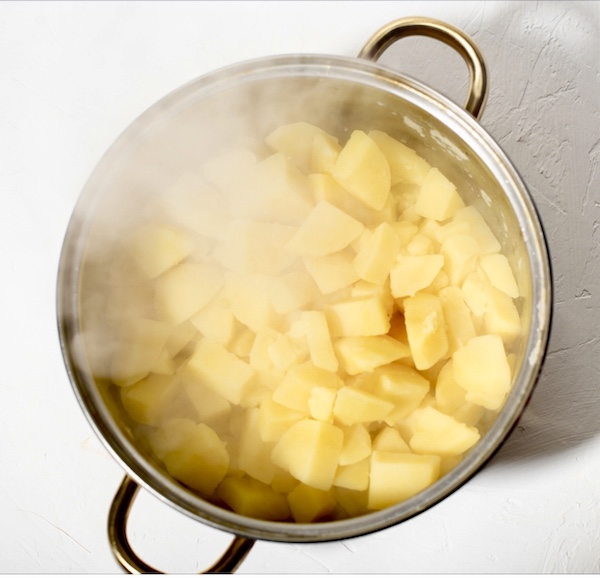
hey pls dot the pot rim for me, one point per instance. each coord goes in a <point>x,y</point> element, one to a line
<point>363,72</point>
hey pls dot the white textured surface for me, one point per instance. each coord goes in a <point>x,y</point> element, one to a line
<point>74,75</point>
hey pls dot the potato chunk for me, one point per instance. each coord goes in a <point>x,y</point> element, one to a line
<point>326,230</point>
<point>157,248</point>
<point>396,477</point>
<point>310,450</point>
<point>481,368</point>
<point>253,498</point>
<point>185,289</point>
<point>426,329</point>
<point>438,198</point>
<point>220,370</point>
<point>363,170</point>
<point>193,453</point>
<point>440,434</point>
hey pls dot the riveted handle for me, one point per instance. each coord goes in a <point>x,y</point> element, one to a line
<point>453,37</point>
<point>117,533</point>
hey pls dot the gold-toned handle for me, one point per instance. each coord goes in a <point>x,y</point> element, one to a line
<point>453,37</point>
<point>117,533</point>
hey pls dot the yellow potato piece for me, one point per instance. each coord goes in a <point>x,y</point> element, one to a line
<point>365,353</point>
<point>220,370</point>
<point>363,170</point>
<point>156,248</point>
<point>325,230</point>
<point>353,405</point>
<point>396,476</point>
<point>184,290</point>
<point>309,504</point>
<point>438,198</point>
<point>412,273</point>
<point>499,272</point>
<point>310,451</point>
<point>406,166</point>
<point>426,329</point>
<point>439,434</point>
<point>254,499</point>
<point>481,368</point>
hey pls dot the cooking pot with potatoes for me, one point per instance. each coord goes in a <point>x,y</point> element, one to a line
<point>304,298</point>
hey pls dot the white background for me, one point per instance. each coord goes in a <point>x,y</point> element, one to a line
<point>73,75</point>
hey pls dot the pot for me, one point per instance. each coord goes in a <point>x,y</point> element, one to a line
<point>250,98</point>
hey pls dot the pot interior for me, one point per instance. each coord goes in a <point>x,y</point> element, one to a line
<point>238,107</point>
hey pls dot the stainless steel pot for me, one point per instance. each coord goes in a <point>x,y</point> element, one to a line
<point>339,94</point>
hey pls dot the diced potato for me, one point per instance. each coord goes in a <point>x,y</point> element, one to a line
<point>211,407</point>
<point>319,340</point>
<point>440,434</point>
<point>403,386</point>
<point>192,203</point>
<point>377,254</point>
<point>501,316</point>
<point>411,273</point>
<point>332,272</point>
<point>396,476</point>
<point>180,337</point>
<point>184,290</point>
<point>353,476</point>
<point>292,291</point>
<point>220,370</point>
<point>254,499</point>
<point>295,141</point>
<point>420,245</point>
<point>481,368</point>
<point>460,256</point>
<point>324,153</point>
<point>470,221</point>
<point>389,440</point>
<point>310,451</point>
<point>325,230</point>
<point>254,247</point>
<point>320,403</point>
<point>146,400</point>
<point>459,324</point>
<point>260,358</point>
<point>156,248</point>
<point>254,454</point>
<point>193,454</point>
<point>216,320</point>
<point>251,301</point>
<point>449,396</point>
<point>406,166</point>
<point>309,504</point>
<point>274,191</point>
<point>475,293</point>
<point>274,419</point>
<point>363,170</point>
<point>141,344</point>
<point>357,444</point>
<point>405,231</point>
<point>353,405</point>
<point>353,502</point>
<point>426,329</point>
<point>218,169</point>
<point>295,388</point>
<point>438,198</point>
<point>285,352</point>
<point>363,354</point>
<point>325,188</point>
<point>356,317</point>
<point>499,272</point>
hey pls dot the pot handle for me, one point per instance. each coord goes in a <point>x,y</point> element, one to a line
<point>453,37</point>
<point>117,533</point>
